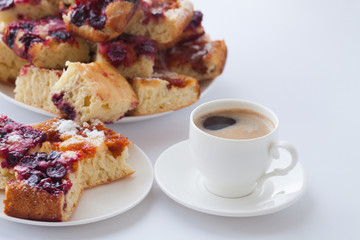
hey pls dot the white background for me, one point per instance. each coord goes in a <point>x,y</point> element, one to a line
<point>301,58</point>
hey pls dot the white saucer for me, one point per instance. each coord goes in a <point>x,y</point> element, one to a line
<point>108,200</point>
<point>182,182</point>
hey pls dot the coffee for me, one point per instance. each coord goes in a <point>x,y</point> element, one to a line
<point>235,123</point>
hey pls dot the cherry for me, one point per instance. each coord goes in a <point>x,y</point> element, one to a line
<point>78,17</point>
<point>23,173</point>
<point>33,180</point>
<point>47,185</point>
<point>41,156</point>
<point>118,54</point>
<point>61,35</point>
<point>68,110</point>
<point>14,27</point>
<point>56,172</point>
<point>57,99</point>
<point>53,155</point>
<point>41,170</point>
<point>29,39</point>
<point>13,158</point>
<point>98,22</point>
<point>90,12</point>
<point>28,161</point>
<point>125,48</point>
<point>195,20</point>
<point>146,47</point>
<point>66,185</point>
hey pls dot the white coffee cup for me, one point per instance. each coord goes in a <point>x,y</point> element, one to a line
<point>236,167</point>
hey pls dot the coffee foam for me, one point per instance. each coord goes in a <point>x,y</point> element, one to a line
<point>249,124</point>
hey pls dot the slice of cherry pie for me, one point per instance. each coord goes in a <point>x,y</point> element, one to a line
<point>45,43</point>
<point>99,20</point>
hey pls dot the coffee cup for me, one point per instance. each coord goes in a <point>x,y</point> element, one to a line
<point>233,144</point>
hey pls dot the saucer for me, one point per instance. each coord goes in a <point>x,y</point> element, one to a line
<point>182,182</point>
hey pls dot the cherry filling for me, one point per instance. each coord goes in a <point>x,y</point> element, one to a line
<point>175,82</point>
<point>115,142</point>
<point>27,40</point>
<point>194,30</point>
<point>7,4</point>
<point>57,99</point>
<point>120,53</point>
<point>90,12</point>
<point>65,107</point>
<point>187,53</point>
<point>53,27</point>
<point>61,35</point>
<point>12,30</point>
<point>126,48</point>
<point>35,31</point>
<point>16,140</point>
<point>195,21</point>
<point>155,10</point>
<point>46,172</point>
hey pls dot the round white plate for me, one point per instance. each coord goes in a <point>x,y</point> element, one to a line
<point>7,92</point>
<point>182,182</point>
<point>106,200</point>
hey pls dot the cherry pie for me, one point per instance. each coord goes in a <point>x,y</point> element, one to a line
<point>45,43</point>
<point>99,20</point>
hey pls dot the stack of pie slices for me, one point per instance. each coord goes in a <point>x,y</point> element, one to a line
<point>92,59</point>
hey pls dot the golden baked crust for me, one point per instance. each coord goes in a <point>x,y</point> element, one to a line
<point>118,15</point>
<point>93,91</point>
<point>165,27</point>
<point>164,92</point>
<point>20,199</point>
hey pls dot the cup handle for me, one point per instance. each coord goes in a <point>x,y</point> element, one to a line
<point>274,153</point>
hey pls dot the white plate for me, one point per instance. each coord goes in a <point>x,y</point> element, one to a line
<point>182,182</point>
<point>107,200</point>
<point>7,92</point>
